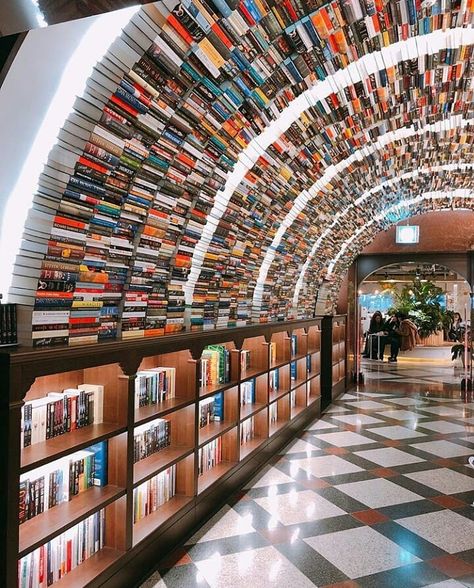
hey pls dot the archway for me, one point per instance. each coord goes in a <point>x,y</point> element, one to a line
<point>409,286</point>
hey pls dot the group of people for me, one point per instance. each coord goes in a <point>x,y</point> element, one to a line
<point>397,330</point>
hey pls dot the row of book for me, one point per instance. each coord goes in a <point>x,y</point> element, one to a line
<point>214,366</point>
<point>8,324</point>
<point>151,438</point>
<point>131,202</point>
<point>211,410</point>
<point>153,493</point>
<point>154,386</point>
<point>61,480</point>
<point>62,554</point>
<point>209,455</point>
<point>58,413</point>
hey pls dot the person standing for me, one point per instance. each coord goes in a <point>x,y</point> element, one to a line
<point>393,337</point>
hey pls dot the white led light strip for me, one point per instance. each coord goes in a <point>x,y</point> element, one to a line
<point>92,48</point>
<point>362,199</point>
<point>355,72</point>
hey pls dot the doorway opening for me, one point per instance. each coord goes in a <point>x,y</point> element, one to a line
<point>430,294</point>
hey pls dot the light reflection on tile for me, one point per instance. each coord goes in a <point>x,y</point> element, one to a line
<point>366,404</point>
<point>443,427</point>
<point>389,457</point>
<point>327,465</point>
<point>260,567</point>
<point>299,507</point>
<point>357,419</point>
<point>444,480</point>
<point>226,523</point>
<point>378,493</point>
<point>344,439</point>
<point>319,425</point>
<point>299,446</point>
<point>272,477</point>
<point>400,415</point>
<point>442,448</point>
<point>361,551</point>
<point>396,432</point>
<point>445,529</point>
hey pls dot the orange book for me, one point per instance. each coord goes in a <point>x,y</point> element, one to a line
<point>178,27</point>
<point>69,222</point>
<point>93,165</point>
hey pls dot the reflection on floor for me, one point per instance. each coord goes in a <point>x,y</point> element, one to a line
<point>377,493</point>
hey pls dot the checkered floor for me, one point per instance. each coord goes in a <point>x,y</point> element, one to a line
<point>377,493</point>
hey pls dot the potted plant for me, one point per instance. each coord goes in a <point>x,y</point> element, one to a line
<point>421,302</point>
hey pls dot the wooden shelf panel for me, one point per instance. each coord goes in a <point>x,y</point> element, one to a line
<point>213,475</point>
<point>212,430</point>
<point>252,373</point>
<point>247,448</point>
<point>297,383</point>
<point>40,453</point>
<point>153,411</point>
<point>145,526</point>
<point>274,427</point>
<point>90,569</point>
<point>296,410</point>
<point>153,464</point>
<point>211,390</point>
<point>43,527</point>
<point>250,409</point>
<point>279,364</point>
<point>275,395</point>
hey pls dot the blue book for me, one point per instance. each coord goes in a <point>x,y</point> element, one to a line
<point>293,370</point>
<point>219,407</point>
<point>100,463</point>
<point>308,364</point>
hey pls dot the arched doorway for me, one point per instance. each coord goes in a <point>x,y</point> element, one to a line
<point>430,293</point>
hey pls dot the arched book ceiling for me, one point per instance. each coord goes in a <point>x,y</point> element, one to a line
<point>216,148</point>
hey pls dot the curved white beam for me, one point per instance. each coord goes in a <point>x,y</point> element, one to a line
<point>340,218</point>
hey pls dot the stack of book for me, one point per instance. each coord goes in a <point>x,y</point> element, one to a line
<point>62,554</point>
<point>151,438</point>
<point>273,412</point>
<point>154,386</point>
<point>211,410</point>
<point>153,493</point>
<point>244,361</point>
<point>209,456</point>
<point>58,413</point>
<point>48,486</point>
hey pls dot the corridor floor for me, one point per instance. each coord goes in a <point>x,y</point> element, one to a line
<point>375,493</point>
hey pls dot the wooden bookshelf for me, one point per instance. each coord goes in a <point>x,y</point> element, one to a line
<point>32,374</point>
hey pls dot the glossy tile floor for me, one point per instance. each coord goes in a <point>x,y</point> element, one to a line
<point>376,493</point>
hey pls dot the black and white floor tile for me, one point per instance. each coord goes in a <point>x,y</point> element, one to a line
<point>376,493</point>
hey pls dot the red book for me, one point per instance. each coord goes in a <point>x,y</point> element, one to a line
<point>178,27</point>
<point>123,105</point>
<point>92,165</point>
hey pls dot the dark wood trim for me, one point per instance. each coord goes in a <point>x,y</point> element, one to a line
<point>20,37</point>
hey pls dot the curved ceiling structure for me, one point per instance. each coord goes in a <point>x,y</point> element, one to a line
<point>225,156</point>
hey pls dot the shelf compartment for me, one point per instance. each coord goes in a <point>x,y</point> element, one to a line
<point>150,523</point>
<point>280,349</point>
<point>253,396</point>
<point>298,400</point>
<point>299,343</point>
<point>315,363</point>
<point>41,453</point>
<point>282,378</point>
<point>227,456</point>
<point>182,438</point>
<point>314,389</point>
<point>298,372</point>
<point>278,414</point>
<point>42,528</point>
<point>231,369</point>
<point>314,339</point>
<point>260,432</point>
<point>184,492</point>
<point>258,350</point>
<point>90,569</point>
<point>185,371</point>
<point>230,415</point>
